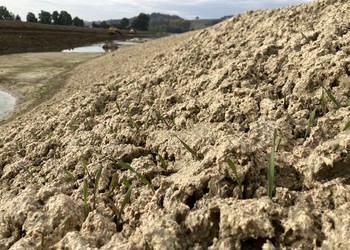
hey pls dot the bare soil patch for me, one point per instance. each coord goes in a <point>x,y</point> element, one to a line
<point>176,109</point>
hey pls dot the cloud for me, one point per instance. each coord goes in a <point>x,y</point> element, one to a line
<point>115,9</point>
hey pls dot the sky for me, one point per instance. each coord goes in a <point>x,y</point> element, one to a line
<point>99,10</point>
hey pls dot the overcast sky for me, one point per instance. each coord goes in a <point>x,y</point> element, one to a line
<point>94,10</point>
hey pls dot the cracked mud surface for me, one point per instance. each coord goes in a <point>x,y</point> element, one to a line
<point>223,91</point>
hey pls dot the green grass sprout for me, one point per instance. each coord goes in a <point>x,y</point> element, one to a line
<point>331,96</point>
<point>232,166</point>
<point>70,175</point>
<point>112,185</point>
<point>271,167</point>
<point>163,162</point>
<point>323,102</point>
<point>126,199</point>
<point>189,149</point>
<point>85,193</point>
<point>347,126</point>
<point>28,170</point>
<point>312,118</point>
<point>97,180</point>
<point>142,178</point>
<point>42,243</point>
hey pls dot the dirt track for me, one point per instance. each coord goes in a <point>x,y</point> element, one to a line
<point>223,91</point>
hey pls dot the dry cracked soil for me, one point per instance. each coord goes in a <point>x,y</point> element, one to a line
<point>132,152</point>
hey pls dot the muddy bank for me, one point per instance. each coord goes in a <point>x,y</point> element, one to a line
<point>20,37</point>
<point>132,152</point>
<point>35,77</point>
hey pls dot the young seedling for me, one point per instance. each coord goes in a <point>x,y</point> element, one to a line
<point>189,149</point>
<point>70,175</point>
<point>28,170</point>
<point>42,243</point>
<point>323,102</point>
<point>163,162</point>
<point>126,198</point>
<point>132,123</point>
<point>85,193</point>
<point>347,126</point>
<point>142,178</point>
<point>331,96</point>
<point>271,167</point>
<point>312,118</point>
<point>95,181</point>
<point>232,166</point>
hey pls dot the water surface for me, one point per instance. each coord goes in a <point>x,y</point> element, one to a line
<point>7,103</point>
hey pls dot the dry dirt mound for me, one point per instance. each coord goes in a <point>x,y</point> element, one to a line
<point>176,109</point>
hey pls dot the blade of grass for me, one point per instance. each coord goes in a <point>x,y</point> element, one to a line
<point>331,96</point>
<point>142,178</point>
<point>162,161</point>
<point>112,185</point>
<point>347,126</point>
<point>97,180</point>
<point>28,171</point>
<point>70,175</point>
<point>84,162</point>
<point>126,198</point>
<point>42,243</point>
<point>323,102</point>
<point>189,149</point>
<point>126,182</point>
<point>85,193</point>
<point>232,166</point>
<point>271,167</point>
<point>312,118</point>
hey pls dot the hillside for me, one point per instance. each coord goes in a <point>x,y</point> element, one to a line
<point>132,152</point>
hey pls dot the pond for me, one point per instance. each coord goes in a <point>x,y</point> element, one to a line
<point>7,103</point>
<point>106,46</point>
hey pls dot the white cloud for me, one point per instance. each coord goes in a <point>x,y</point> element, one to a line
<point>114,9</point>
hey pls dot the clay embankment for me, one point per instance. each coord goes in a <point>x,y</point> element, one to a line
<point>223,91</point>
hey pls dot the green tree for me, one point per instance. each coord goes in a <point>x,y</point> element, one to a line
<point>141,22</point>
<point>31,18</point>
<point>65,18</point>
<point>45,17</point>
<point>5,14</point>
<point>78,22</point>
<point>123,24</point>
<point>95,25</point>
<point>104,25</point>
<point>55,16</point>
<point>18,18</point>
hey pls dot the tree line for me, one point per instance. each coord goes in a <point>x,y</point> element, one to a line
<point>44,17</point>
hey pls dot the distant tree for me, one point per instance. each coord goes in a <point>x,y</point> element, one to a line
<point>31,18</point>
<point>78,22</point>
<point>18,18</point>
<point>55,16</point>
<point>5,14</point>
<point>65,18</point>
<point>123,24</point>
<point>95,25</point>
<point>104,25</point>
<point>141,22</point>
<point>45,17</point>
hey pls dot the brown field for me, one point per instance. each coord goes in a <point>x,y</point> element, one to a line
<point>19,37</point>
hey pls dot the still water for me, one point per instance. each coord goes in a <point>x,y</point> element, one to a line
<point>106,47</point>
<point>7,103</point>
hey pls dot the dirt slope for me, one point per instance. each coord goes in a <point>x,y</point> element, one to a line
<point>222,91</point>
